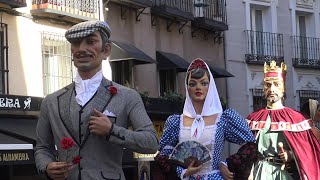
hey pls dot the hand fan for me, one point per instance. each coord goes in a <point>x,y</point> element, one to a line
<point>185,152</point>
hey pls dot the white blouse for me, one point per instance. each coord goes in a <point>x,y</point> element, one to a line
<point>206,139</point>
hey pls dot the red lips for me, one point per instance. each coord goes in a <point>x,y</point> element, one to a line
<point>198,93</point>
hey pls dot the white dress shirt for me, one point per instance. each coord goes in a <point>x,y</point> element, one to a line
<point>85,89</point>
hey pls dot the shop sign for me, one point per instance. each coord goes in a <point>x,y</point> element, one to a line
<point>143,157</point>
<point>21,103</point>
<point>21,156</point>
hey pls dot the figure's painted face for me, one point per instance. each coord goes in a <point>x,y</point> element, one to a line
<point>273,89</point>
<point>198,88</point>
<point>89,52</point>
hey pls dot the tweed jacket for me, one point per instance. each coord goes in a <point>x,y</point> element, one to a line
<point>101,158</point>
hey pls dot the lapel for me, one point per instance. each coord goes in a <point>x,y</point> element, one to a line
<point>100,101</point>
<point>103,96</point>
<point>64,100</point>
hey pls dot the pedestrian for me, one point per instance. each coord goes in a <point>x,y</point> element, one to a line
<point>87,121</point>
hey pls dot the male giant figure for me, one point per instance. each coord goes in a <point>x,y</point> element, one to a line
<point>79,111</point>
<point>299,157</point>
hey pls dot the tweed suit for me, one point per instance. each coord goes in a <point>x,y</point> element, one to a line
<point>62,117</point>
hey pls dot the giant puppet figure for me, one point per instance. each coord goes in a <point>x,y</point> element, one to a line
<point>290,150</point>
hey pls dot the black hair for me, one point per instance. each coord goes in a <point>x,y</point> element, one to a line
<point>104,39</point>
<point>197,74</point>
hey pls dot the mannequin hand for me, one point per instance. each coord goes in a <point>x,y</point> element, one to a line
<point>99,124</point>
<point>226,174</point>
<point>58,170</point>
<point>285,156</point>
<point>192,169</point>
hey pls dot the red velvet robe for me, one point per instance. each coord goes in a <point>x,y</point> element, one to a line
<point>298,134</point>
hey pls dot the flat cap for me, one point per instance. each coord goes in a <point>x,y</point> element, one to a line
<point>84,29</point>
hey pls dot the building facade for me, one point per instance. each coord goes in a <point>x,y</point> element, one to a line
<point>153,42</point>
<point>263,30</point>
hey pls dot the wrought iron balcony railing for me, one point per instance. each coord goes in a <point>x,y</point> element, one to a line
<point>185,5</point>
<point>79,9</point>
<point>181,9</point>
<point>212,10</point>
<point>263,47</point>
<point>15,3</point>
<point>306,52</point>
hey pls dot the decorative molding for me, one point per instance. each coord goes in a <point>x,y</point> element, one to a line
<point>308,4</point>
<point>309,85</point>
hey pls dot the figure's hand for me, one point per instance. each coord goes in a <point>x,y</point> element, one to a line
<point>226,174</point>
<point>285,156</point>
<point>58,170</point>
<point>99,124</point>
<point>192,169</point>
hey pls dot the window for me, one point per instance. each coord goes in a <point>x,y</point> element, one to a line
<point>305,95</point>
<point>4,82</point>
<point>122,72</point>
<point>167,80</point>
<point>303,44</point>
<point>57,62</point>
<point>258,100</point>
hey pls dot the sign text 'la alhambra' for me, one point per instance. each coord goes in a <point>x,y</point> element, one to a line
<point>14,157</point>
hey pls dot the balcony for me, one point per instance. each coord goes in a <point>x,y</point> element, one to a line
<point>210,15</point>
<point>67,10</point>
<point>136,4</point>
<point>15,3</point>
<point>263,47</point>
<point>306,52</point>
<point>173,11</point>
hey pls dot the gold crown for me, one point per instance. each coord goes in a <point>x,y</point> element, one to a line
<point>274,68</point>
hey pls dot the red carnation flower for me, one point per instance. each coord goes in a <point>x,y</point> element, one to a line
<point>113,90</point>
<point>66,143</point>
<point>76,160</point>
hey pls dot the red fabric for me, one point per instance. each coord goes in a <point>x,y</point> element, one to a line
<point>304,143</point>
<point>275,75</point>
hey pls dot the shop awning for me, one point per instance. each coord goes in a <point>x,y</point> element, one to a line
<point>171,61</point>
<point>219,72</point>
<point>18,131</point>
<point>17,141</point>
<point>122,51</point>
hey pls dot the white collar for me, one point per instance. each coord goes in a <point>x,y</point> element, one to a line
<point>85,89</point>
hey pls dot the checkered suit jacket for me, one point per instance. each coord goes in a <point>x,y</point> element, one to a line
<point>101,158</point>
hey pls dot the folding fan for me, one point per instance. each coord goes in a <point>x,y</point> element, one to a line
<point>185,152</point>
